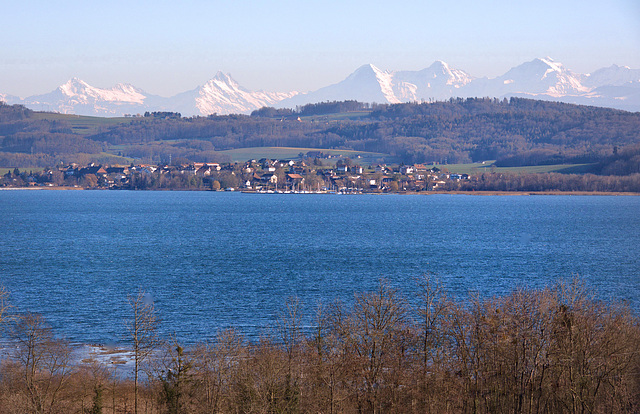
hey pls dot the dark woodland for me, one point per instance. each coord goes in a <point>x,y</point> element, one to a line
<point>515,132</point>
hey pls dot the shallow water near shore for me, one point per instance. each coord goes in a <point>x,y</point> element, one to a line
<point>218,260</point>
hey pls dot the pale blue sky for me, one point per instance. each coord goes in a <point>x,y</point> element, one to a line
<point>169,47</point>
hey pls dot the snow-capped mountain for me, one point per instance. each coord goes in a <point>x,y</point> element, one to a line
<point>614,75</point>
<point>546,79</point>
<point>538,77</point>
<point>370,84</point>
<point>366,84</point>
<point>78,97</point>
<point>10,99</point>
<point>438,81</point>
<point>222,95</point>
<point>614,86</point>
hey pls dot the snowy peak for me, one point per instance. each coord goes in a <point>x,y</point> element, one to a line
<point>224,79</point>
<point>368,83</point>
<point>370,76</point>
<point>9,99</point>
<point>613,75</point>
<point>364,70</point>
<point>441,70</point>
<point>74,86</point>
<point>542,76</point>
<point>78,97</point>
<point>83,92</point>
<point>223,95</point>
<point>537,69</point>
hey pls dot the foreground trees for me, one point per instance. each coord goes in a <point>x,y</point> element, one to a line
<point>555,350</point>
<point>142,334</point>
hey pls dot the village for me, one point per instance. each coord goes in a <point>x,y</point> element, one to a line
<point>262,176</point>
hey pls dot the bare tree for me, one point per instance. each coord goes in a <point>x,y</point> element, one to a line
<point>5,306</point>
<point>142,331</point>
<point>373,333</point>
<point>290,331</point>
<point>45,361</point>
<point>216,363</point>
<point>432,307</point>
<point>326,358</point>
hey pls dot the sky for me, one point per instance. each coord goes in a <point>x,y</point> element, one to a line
<point>168,47</point>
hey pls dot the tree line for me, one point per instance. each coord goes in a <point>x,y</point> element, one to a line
<point>515,132</point>
<point>551,350</point>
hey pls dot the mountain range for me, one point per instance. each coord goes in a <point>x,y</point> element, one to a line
<point>545,79</point>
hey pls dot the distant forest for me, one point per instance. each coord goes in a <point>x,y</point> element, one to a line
<point>515,132</point>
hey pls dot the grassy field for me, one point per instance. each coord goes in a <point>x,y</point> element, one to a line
<point>85,125</point>
<point>117,159</point>
<point>4,170</point>
<point>244,154</point>
<point>487,166</point>
<point>337,117</point>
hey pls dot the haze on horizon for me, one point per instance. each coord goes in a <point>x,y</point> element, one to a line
<point>168,47</point>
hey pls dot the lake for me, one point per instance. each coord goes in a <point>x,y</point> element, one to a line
<point>217,260</point>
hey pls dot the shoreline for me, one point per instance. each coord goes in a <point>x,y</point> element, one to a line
<point>530,193</point>
<point>476,193</point>
<point>54,188</point>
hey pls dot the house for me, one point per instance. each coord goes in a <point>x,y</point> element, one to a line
<point>117,169</point>
<point>294,179</point>
<point>381,169</point>
<point>212,166</point>
<point>149,169</point>
<point>438,184</point>
<point>269,178</point>
<point>203,171</point>
<point>92,169</point>
<point>406,169</point>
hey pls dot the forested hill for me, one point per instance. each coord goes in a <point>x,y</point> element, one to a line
<point>514,132</point>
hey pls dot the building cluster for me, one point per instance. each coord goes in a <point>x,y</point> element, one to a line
<point>264,175</point>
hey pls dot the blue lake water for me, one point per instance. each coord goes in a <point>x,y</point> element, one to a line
<point>216,260</point>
